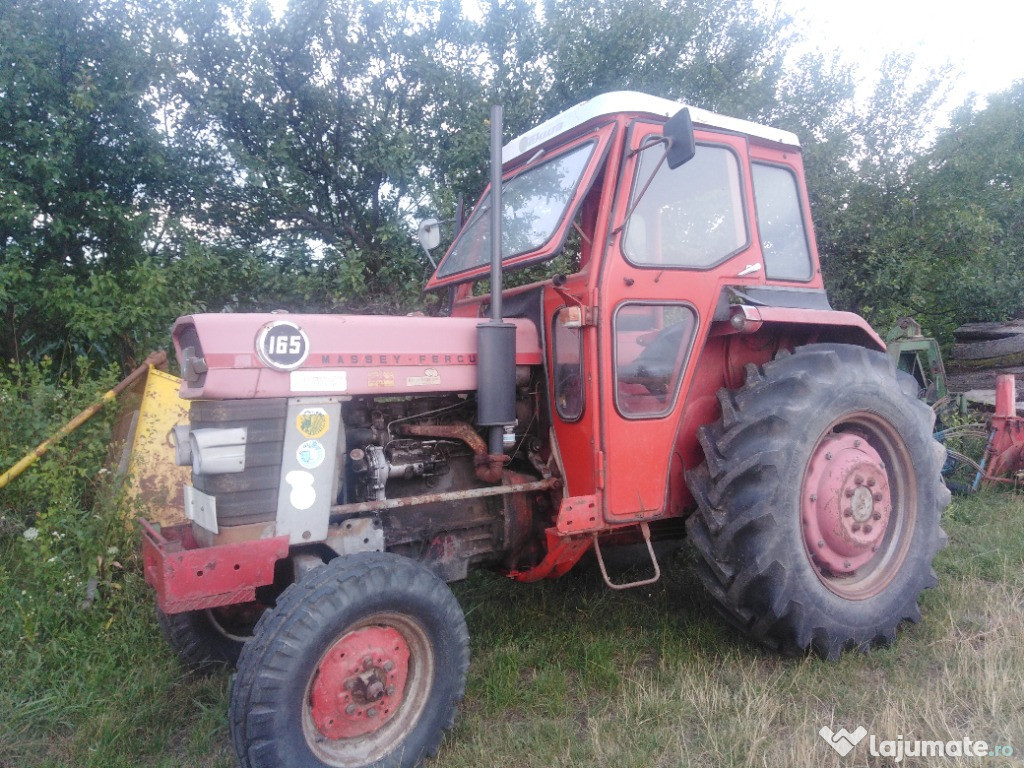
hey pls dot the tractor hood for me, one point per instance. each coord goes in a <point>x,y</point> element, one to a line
<point>240,356</point>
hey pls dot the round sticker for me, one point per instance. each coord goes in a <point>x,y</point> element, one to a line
<point>282,345</point>
<point>311,454</point>
<point>313,422</point>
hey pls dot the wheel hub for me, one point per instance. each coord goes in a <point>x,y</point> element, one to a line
<point>360,682</point>
<point>846,504</point>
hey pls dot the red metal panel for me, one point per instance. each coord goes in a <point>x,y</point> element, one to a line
<point>187,577</point>
<point>641,454</point>
<point>377,354</point>
<point>562,554</point>
<point>852,328</point>
<point>579,514</point>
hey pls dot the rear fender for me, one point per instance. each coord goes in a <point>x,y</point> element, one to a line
<point>749,335</point>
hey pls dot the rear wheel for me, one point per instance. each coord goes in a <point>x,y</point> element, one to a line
<point>819,501</point>
<point>360,664</point>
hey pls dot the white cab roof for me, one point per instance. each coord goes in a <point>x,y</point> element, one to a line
<point>632,101</point>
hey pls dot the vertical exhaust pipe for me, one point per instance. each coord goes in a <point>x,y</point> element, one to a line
<point>496,339</point>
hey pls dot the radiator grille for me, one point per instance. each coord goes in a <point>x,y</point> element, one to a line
<point>249,496</point>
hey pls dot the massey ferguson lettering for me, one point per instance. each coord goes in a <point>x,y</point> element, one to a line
<point>393,359</point>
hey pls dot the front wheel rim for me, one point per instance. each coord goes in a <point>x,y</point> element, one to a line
<point>858,506</point>
<point>368,690</point>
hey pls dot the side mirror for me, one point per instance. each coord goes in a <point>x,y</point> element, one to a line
<point>429,234</point>
<point>681,144</point>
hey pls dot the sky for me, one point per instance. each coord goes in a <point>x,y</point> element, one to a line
<point>983,39</point>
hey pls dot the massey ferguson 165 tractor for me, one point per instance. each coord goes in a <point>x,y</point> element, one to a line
<point>668,366</point>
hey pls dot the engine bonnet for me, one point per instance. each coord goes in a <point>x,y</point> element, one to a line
<point>235,356</point>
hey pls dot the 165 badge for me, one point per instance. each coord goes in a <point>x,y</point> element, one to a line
<point>282,345</point>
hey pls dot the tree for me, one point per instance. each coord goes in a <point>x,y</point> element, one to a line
<point>81,174</point>
<point>968,213</point>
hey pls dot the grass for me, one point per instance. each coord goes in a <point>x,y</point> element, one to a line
<point>564,673</point>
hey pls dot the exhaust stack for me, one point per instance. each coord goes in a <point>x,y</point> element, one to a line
<point>496,339</point>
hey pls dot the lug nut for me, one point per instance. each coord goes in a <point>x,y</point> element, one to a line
<point>848,512</point>
<point>856,443</point>
<point>871,482</point>
<point>367,662</point>
<point>877,496</point>
<point>391,690</point>
<point>846,563</point>
<point>389,665</point>
<point>867,528</point>
<point>350,683</point>
<point>876,515</point>
<point>371,712</point>
<point>856,527</point>
<point>858,480</point>
<point>821,544</point>
<point>849,493</point>
<point>350,709</point>
<point>828,456</point>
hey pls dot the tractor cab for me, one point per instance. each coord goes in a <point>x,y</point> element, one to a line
<point>643,237</point>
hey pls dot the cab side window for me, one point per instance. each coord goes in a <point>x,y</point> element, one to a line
<point>787,256</point>
<point>567,356</point>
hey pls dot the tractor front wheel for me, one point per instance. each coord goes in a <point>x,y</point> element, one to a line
<point>360,664</point>
<point>819,501</point>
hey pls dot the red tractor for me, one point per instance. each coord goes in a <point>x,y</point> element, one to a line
<point>668,366</point>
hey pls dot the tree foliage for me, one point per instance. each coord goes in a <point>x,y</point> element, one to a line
<point>160,156</point>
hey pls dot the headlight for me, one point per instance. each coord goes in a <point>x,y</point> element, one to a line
<point>217,451</point>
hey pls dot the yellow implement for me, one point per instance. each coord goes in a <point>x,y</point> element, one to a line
<point>153,477</point>
<point>154,360</point>
<point>143,427</point>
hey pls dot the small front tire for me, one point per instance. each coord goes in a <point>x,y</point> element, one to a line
<point>361,664</point>
<point>205,640</point>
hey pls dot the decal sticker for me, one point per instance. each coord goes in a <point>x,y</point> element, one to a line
<point>311,454</point>
<point>282,345</point>
<point>319,381</point>
<point>430,377</point>
<point>302,495</point>
<point>313,422</point>
<point>380,379</point>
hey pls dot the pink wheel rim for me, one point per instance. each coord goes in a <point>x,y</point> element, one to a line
<point>847,504</point>
<point>858,506</point>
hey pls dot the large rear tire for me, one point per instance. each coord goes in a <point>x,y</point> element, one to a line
<point>360,664</point>
<point>819,501</point>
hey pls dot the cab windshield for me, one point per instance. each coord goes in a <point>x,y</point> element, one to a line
<point>533,205</point>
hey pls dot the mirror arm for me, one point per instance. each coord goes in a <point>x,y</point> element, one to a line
<point>643,191</point>
<point>429,257</point>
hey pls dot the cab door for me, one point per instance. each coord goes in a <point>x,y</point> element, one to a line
<point>676,236</point>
